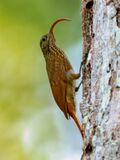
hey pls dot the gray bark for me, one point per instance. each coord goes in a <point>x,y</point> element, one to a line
<point>100,107</point>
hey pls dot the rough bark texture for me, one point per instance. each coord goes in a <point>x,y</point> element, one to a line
<point>101,79</point>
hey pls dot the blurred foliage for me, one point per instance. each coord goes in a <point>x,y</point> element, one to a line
<point>24,88</point>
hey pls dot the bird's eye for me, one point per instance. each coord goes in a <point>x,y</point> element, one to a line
<point>44,39</point>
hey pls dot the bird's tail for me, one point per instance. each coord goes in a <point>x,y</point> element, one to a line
<point>78,124</point>
<point>72,113</point>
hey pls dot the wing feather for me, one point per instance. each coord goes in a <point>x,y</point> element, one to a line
<point>58,81</point>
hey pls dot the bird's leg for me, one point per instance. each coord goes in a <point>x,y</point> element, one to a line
<point>81,64</point>
<point>71,75</point>
<point>77,88</point>
<point>74,76</point>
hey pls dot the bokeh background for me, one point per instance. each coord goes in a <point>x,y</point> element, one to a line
<point>31,125</point>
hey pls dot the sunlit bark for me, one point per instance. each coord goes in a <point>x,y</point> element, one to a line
<point>101,79</point>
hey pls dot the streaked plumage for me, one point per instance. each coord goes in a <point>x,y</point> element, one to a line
<point>61,75</point>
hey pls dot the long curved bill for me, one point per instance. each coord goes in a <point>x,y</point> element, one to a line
<point>56,22</point>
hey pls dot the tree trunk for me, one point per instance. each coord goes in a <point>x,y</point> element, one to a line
<point>100,107</point>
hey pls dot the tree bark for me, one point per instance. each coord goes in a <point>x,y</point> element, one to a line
<point>100,107</point>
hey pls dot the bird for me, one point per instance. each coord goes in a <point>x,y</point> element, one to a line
<point>61,75</point>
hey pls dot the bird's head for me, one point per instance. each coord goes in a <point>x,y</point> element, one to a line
<point>48,39</point>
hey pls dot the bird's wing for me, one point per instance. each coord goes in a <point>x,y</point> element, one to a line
<point>58,82</point>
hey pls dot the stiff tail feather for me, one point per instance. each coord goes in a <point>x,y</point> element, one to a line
<point>72,113</point>
<point>78,125</point>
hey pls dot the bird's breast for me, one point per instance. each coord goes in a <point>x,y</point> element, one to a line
<point>55,67</point>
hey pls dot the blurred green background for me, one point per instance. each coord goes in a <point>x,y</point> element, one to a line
<point>31,126</point>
